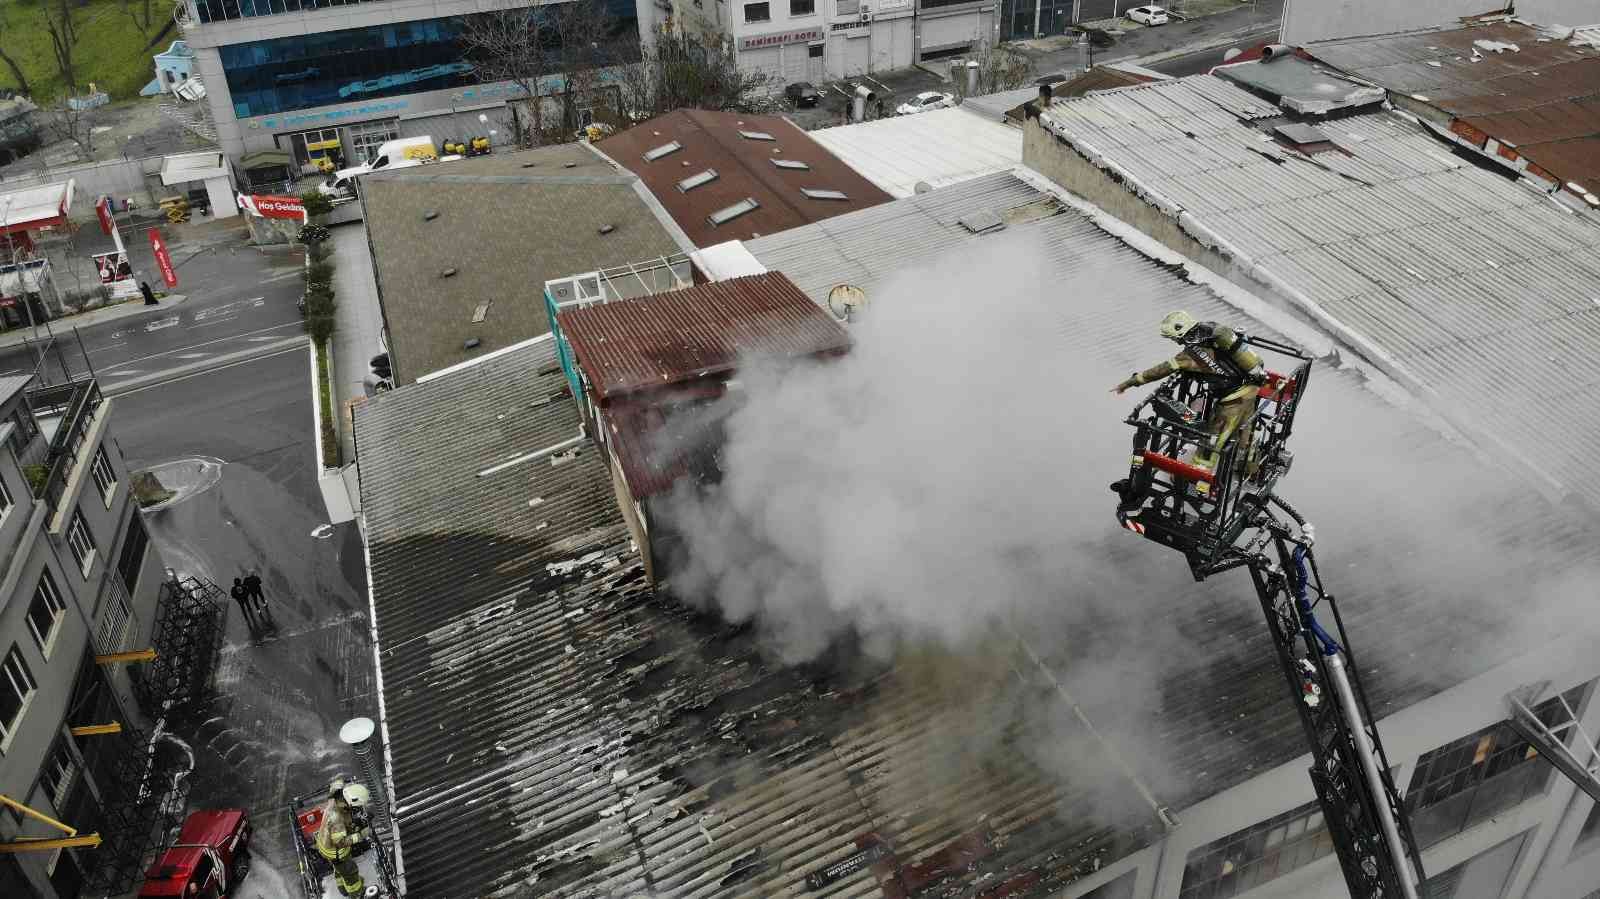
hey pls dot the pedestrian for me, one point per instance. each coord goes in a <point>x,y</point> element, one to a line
<point>241,595</point>
<point>149,295</point>
<point>252,588</point>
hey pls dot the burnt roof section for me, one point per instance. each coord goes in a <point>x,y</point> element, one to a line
<point>1300,86</point>
<point>1507,80</point>
<point>682,335</point>
<point>715,141</point>
<point>501,226</point>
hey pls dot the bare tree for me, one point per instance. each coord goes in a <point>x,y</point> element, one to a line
<point>63,122</point>
<point>63,40</point>
<point>513,45</point>
<point>678,70</point>
<point>139,12</point>
<point>11,63</point>
<point>587,47</point>
<point>999,69</point>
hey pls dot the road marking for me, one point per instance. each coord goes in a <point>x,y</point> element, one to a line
<point>207,324</point>
<point>160,323</point>
<point>191,355</point>
<point>257,301</point>
<point>290,345</point>
<point>259,339</point>
<point>243,334</point>
<point>125,371</point>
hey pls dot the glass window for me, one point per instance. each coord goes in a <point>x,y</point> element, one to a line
<point>45,613</point>
<point>81,542</point>
<point>59,773</point>
<point>757,12</point>
<point>1257,854</point>
<point>17,687</point>
<point>5,501</point>
<point>114,626</point>
<point>1482,877</point>
<point>131,561</point>
<point>105,477</point>
<point>1467,780</point>
<point>802,7</point>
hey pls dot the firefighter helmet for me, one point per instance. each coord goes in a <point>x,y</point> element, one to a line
<point>1177,324</point>
<point>357,796</point>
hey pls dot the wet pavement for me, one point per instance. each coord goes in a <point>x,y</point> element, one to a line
<point>237,445</point>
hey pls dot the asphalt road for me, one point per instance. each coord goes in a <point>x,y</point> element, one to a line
<point>1204,60</point>
<point>238,301</point>
<point>273,733</point>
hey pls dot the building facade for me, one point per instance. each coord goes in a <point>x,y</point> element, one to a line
<point>80,579</point>
<point>341,79</point>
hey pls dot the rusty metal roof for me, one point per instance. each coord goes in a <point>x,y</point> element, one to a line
<point>1539,94</point>
<point>714,142</point>
<point>670,338</point>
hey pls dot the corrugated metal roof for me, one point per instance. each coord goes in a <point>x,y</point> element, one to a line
<point>1416,256</point>
<point>1537,94</point>
<point>668,338</point>
<point>592,739</point>
<point>939,147</point>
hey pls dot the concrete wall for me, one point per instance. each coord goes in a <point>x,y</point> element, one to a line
<point>119,178</point>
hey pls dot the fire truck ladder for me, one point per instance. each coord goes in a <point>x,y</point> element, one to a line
<point>1349,769</point>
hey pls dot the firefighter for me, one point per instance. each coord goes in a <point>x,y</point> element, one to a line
<point>1216,354</point>
<point>340,833</point>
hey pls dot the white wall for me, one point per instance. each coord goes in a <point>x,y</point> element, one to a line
<point>1305,21</point>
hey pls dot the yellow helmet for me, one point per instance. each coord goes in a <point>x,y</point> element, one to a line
<point>1177,324</point>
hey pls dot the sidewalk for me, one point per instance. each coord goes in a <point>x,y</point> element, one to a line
<point>358,329</point>
<point>1136,43</point>
<point>125,309</point>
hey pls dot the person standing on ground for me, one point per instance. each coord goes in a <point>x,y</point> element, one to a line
<point>241,595</point>
<point>252,588</point>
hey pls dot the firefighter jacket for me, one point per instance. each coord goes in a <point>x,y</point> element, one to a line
<point>337,835</point>
<point>1212,353</point>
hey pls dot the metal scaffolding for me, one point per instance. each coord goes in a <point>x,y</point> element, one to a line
<point>188,642</point>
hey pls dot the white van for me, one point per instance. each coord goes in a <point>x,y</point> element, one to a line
<point>395,154</point>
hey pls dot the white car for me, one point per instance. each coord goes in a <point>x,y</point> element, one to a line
<point>1148,15</point>
<point>925,101</point>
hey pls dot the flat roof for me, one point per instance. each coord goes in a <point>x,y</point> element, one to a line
<point>711,162</point>
<point>1537,93</point>
<point>501,226</point>
<point>42,204</point>
<point>184,167</point>
<point>1412,254</point>
<point>938,147</point>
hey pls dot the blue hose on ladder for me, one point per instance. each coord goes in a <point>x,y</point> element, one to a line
<point>1298,581</point>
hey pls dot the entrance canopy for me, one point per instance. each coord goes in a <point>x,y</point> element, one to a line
<point>34,208</point>
<point>185,167</point>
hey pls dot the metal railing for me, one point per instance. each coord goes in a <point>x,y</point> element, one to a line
<point>76,404</point>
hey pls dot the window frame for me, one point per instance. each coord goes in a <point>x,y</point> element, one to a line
<point>63,758</point>
<point>6,502</point>
<point>47,590</point>
<point>795,13</point>
<point>765,5</point>
<point>8,681</point>
<point>78,529</point>
<point>107,481</point>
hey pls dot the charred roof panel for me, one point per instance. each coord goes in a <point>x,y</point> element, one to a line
<point>682,335</point>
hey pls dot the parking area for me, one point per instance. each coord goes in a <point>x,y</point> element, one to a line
<point>894,87</point>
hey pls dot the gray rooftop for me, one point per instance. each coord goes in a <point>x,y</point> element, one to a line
<point>11,385</point>
<point>1301,86</point>
<point>1455,279</point>
<point>505,223</point>
<point>608,741</point>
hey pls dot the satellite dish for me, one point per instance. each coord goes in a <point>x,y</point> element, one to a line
<point>356,730</point>
<point>846,300</point>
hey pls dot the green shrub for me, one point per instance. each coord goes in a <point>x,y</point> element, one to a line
<point>330,433</point>
<point>320,272</point>
<point>316,203</point>
<point>313,234</point>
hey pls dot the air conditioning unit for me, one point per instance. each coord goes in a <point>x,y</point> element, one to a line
<point>866,13</point>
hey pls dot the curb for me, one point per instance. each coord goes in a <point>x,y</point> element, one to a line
<point>125,309</point>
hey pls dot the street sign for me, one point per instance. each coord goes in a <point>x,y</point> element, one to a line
<point>163,258</point>
<point>102,209</point>
<point>112,266</point>
<point>273,207</point>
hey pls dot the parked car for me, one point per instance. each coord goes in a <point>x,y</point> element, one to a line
<point>1148,15</point>
<point>802,93</point>
<point>925,101</point>
<point>209,860</point>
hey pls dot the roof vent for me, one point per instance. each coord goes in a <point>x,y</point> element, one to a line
<point>729,213</point>
<point>430,215</point>
<point>694,181</point>
<point>817,194</point>
<point>529,165</point>
<point>756,135</point>
<point>471,343</point>
<point>981,222</point>
<point>794,164</point>
<point>607,228</point>
<point>448,273</point>
<point>1296,133</point>
<point>480,313</point>
<point>570,165</point>
<point>663,150</point>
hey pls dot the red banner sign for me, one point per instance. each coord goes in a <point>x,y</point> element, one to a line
<point>102,209</point>
<point>163,258</point>
<point>273,207</point>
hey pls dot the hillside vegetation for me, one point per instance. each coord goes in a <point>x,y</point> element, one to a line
<point>110,50</point>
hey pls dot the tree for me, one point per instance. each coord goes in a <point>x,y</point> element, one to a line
<point>11,63</point>
<point>999,69</point>
<point>677,70</point>
<point>139,12</point>
<point>63,122</point>
<point>63,40</point>
<point>586,46</point>
<point>512,45</point>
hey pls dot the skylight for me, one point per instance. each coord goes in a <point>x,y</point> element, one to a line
<point>694,181</point>
<point>663,150</point>
<point>816,194</point>
<point>795,164</point>
<point>756,135</point>
<point>729,213</point>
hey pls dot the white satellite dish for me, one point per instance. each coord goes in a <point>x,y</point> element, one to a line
<point>846,300</point>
